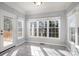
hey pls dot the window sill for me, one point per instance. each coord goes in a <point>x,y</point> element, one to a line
<point>44,37</point>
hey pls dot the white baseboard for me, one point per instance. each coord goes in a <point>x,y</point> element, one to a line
<point>20,43</point>
<point>45,43</point>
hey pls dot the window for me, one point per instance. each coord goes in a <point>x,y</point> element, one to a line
<point>33,28</point>
<point>45,28</point>
<point>72,29</point>
<point>20,28</point>
<point>53,29</point>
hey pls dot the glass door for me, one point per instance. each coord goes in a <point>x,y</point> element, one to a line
<point>7,31</point>
<point>7,34</point>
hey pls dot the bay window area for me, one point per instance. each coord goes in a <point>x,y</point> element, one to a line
<point>45,28</point>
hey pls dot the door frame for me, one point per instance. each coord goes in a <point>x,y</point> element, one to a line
<point>2,14</point>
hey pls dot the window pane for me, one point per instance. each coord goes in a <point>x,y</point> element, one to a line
<point>7,24</point>
<point>40,31</point>
<point>56,29</point>
<point>73,39</point>
<point>45,23</point>
<point>49,30</point>
<point>72,34</point>
<point>35,32</point>
<point>53,29</point>
<point>41,24</point>
<point>33,24</point>
<point>56,24</point>
<point>43,28</point>
<point>56,35</point>
<point>45,32</point>
<point>49,34</point>
<point>33,28</point>
<point>53,34</point>
<point>51,23</point>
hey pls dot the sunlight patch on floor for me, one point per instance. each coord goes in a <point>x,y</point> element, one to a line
<point>36,51</point>
<point>51,52</point>
<point>15,52</point>
<point>65,52</point>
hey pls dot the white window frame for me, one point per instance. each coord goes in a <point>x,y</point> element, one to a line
<point>46,19</point>
<point>22,22</point>
<point>69,39</point>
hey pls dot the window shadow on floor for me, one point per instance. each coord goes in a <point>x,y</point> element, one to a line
<point>37,50</point>
<point>44,52</point>
<point>59,52</point>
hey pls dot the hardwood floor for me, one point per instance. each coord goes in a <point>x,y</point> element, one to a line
<point>34,49</point>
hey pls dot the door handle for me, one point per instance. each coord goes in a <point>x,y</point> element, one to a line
<point>1,33</point>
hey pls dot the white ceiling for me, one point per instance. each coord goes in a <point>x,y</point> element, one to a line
<point>30,8</point>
